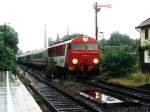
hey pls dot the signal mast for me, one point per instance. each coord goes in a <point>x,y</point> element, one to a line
<point>97,8</point>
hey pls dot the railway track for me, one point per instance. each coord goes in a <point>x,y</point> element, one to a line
<point>139,95</point>
<point>145,87</point>
<point>129,105</point>
<point>57,100</point>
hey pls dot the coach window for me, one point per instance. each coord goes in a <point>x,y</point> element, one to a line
<point>50,52</point>
<point>62,50</point>
<point>92,46</point>
<point>28,57</point>
<point>54,51</point>
<point>146,33</point>
<point>69,46</point>
<point>77,46</point>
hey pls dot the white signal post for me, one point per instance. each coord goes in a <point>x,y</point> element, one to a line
<point>97,8</point>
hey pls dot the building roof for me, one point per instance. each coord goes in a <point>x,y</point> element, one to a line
<point>144,23</point>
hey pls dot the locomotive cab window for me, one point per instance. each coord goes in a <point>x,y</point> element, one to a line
<point>77,46</point>
<point>92,46</point>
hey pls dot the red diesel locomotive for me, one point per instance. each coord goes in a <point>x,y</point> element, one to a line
<point>78,54</point>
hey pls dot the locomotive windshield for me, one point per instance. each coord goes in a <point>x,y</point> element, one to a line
<point>83,46</point>
<point>77,46</point>
<point>91,46</point>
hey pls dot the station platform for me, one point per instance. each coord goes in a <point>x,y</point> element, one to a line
<point>14,97</point>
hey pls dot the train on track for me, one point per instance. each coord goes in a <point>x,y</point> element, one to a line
<point>77,54</point>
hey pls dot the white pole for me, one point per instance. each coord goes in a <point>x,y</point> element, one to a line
<point>45,37</point>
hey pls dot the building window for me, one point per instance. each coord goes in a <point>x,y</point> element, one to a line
<point>147,56</point>
<point>146,33</point>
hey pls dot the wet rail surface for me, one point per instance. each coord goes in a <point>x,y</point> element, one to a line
<point>56,100</point>
<point>139,95</point>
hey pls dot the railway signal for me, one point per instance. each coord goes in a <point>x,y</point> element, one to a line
<point>97,8</point>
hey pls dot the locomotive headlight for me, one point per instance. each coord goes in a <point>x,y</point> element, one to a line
<point>75,61</point>
<point>95,61</point>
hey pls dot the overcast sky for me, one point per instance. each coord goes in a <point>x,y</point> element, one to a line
<point>28,17</point>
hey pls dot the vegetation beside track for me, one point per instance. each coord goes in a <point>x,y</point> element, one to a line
<point>120,61</point>
<point>132,80</point>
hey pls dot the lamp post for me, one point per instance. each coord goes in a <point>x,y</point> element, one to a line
<point>102,40</point>
<point>102,33</point>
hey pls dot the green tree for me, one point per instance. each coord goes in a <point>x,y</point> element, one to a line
<point>103,42</point>
<point>118,39</point>
<point>8,47</point>
<point>119,60</point>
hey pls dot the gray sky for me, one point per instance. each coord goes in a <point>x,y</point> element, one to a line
<point>28,17</point>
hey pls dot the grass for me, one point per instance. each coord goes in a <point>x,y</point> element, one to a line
<point>133,79</point>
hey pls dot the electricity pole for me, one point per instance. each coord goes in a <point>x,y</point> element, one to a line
<point>45,37</point>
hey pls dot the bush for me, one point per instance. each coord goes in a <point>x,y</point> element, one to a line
<point>119,60</point>
<point>139,78</point>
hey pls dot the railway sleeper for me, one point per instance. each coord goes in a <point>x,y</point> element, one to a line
<point>68,109</point>
<point>67,106</point>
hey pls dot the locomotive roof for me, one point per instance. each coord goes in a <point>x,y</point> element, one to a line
<point>77,39</point>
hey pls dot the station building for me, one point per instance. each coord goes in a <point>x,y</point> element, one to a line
<point>144,49</point>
